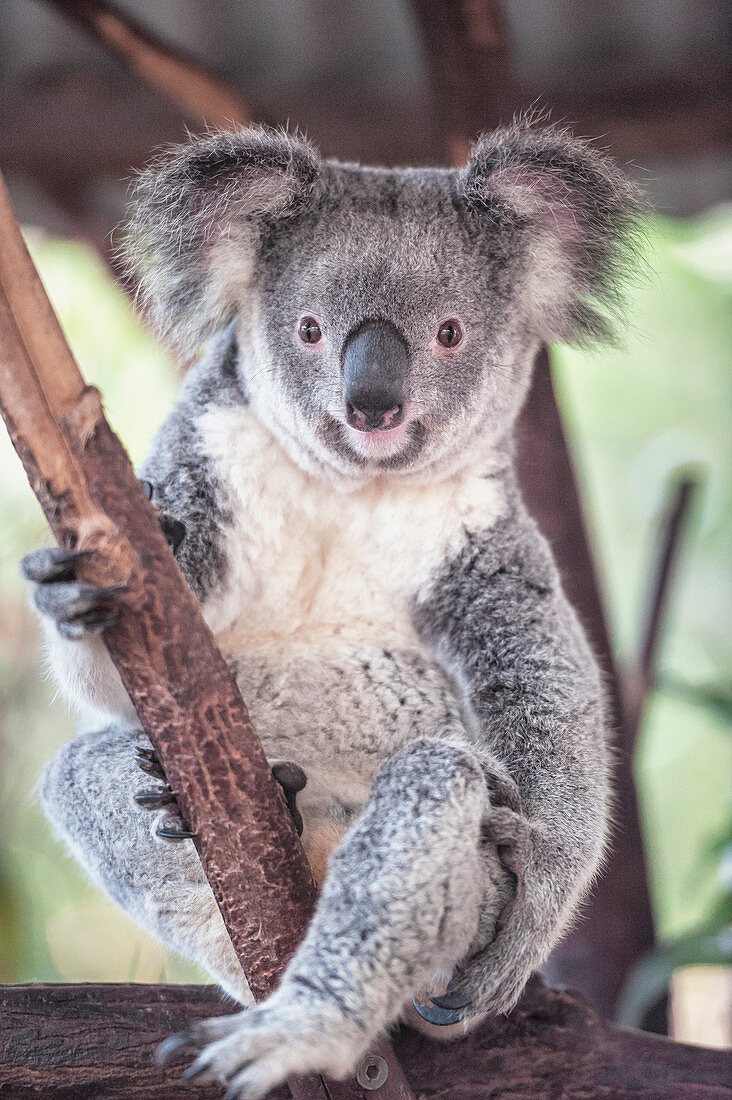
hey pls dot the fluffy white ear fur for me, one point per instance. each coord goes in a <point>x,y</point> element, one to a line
<point>579,215</point>
<point>194,220</point>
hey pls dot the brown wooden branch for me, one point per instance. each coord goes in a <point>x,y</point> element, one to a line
<point>183,80</point>
<point>617,927</point>
<point>61,1042</point>
<point>473,83</point>
<point>467,49</point>
<point>182,690</point>
<point>640,679</point>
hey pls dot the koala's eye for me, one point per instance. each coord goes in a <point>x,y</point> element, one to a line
<point>450,334</point>
<point>309,331</point>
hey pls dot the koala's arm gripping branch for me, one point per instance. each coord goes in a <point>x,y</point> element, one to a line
<point>184,695</point>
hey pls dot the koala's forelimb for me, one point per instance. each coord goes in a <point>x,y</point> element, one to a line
<point>499,619</point>
<point>408,887</point>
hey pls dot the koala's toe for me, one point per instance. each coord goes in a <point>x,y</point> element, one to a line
<point>50,564</point>
<point>175,829</point>
<point>156,799</point>
<point>147,760</point>
<point>77,608</point>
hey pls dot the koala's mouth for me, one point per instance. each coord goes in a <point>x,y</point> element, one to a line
<point>388,450</point>
<point>381,442</point>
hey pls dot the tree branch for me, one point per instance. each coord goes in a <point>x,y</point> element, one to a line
<point>182,690</point>
<point>180,78</point>
<point>79,1042</point>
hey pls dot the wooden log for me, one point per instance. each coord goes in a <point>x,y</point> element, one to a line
<point>78,1042</point>
<point>473,82</point>
<point>184,81</point>
<point>639,679</point>
<point>616,929</point>
<point>182,690</point>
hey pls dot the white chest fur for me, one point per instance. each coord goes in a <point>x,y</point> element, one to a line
<point>316,565</point>
<point>315,609</point>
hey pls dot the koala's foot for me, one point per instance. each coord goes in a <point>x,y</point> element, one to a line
<point>293,1033</point>
<point>75,608</point>
<point>173,826</point>
<point>289,775</point>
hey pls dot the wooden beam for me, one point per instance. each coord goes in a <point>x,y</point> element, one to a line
<point>78,1042</point>
<point>183,80</point>
<point>185,697</point>
<point>467,49</point>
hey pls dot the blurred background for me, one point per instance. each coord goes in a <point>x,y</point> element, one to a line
<point>647,425</point>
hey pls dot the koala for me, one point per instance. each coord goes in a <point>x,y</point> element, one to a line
<point>338,479</point>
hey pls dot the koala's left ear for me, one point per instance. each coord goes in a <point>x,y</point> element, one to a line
<point>195,217</point>
<point>578,215</point>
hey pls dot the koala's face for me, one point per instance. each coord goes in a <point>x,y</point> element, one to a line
<point>379,333</point>
<point>387,318</point>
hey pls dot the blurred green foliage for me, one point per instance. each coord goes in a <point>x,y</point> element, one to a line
<point>634,416</point>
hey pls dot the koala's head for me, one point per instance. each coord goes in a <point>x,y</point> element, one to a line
<point>388,319</point>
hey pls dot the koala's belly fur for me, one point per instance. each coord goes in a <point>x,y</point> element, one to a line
<point>314,613</point>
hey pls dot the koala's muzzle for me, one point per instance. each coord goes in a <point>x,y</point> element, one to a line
<point>375,367</point>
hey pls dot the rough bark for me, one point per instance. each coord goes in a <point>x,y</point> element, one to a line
<point>81,1042</point>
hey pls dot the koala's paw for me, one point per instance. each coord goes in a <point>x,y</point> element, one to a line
<point>173,529</point>
<point>491,979</point>
<point>76,609</point>
<point>259,1048</point>
<point>290,776</point>
<point>79,609</point>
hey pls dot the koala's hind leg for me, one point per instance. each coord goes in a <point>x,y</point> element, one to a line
<point>142,859</point>
<point>412,886</point>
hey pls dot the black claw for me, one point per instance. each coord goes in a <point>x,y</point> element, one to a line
<point>148,761</point>
<point>442,1017</point>
<point>110,591</point>
<point>173,829</point>
<point>174,531</point>
<point>97,620</point>
<point>171,1044</point>
<point>292,779</point>
<point>452,1000</point>
<point>153,800</point>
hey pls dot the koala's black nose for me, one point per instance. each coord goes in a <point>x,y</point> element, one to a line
<point>375,366</point>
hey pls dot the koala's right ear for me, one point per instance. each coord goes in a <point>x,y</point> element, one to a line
<point>195,217</point>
